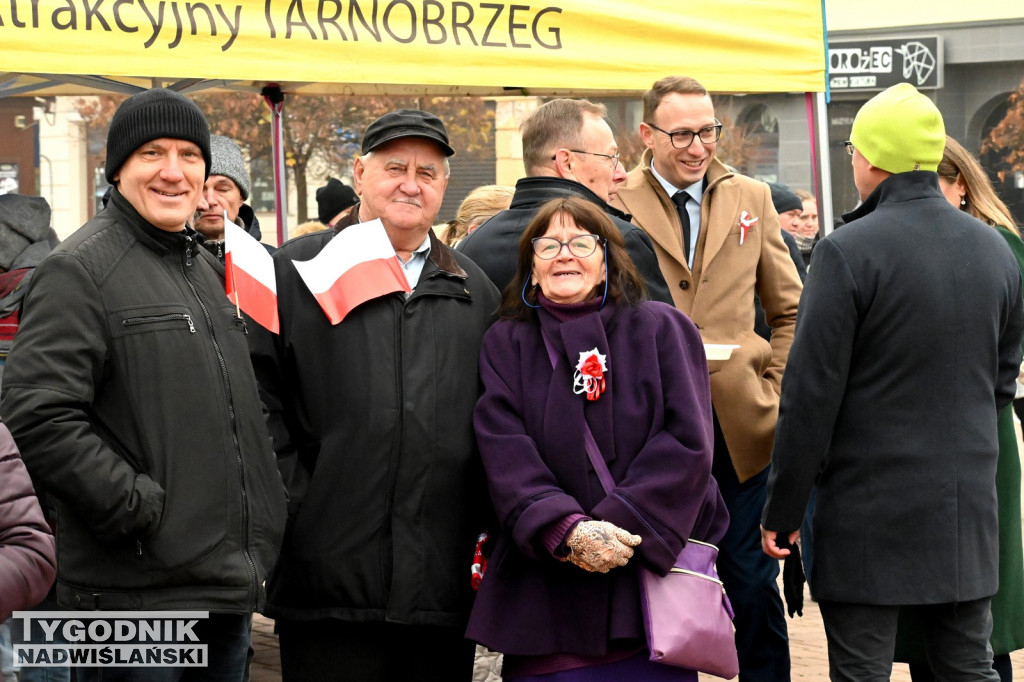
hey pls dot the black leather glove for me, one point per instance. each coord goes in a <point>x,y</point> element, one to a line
<point>792,577</point>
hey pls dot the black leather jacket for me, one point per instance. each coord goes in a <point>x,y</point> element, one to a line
<point>131,396</point>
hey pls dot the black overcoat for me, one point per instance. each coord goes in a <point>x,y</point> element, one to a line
<point>372,419</point>
<point>906,347</point>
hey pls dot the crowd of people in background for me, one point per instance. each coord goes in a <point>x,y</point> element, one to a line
<point>161,451</point>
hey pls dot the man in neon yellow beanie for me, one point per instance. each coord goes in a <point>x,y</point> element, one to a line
<point>905,350</point>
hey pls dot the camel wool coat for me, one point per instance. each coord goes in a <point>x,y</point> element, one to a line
<point>718,295</point>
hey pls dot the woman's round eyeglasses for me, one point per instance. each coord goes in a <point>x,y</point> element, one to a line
<point>580,246</point>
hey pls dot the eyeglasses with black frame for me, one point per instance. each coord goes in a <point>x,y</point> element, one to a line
<point>849,147</point>
<point>681,139</point>
<point>581,246</point>
<point>614,158</point>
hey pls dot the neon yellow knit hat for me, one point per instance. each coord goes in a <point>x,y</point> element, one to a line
<point>900,130</point>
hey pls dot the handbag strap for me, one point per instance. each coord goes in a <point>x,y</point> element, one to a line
<point>594,452</point>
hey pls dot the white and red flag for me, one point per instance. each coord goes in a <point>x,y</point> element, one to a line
<point>357,265</point>
<point>251,284</point>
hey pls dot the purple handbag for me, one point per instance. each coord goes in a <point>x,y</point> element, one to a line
<point>687,614</point>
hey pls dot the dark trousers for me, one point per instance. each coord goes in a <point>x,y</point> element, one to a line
<point>37,636</point>
<point>227,638</point>
<point>338,651</point>
<point>750,575</point>
<point>862,639</point>
<point>922,672</point>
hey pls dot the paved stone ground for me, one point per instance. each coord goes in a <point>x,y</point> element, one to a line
<point>266,665</point>
<point>806,641</point>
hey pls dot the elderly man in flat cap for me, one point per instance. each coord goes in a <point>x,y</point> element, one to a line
<point>131,397</point>
<point>373,418</point>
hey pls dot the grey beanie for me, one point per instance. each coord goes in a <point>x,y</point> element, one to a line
<point>228,161</point>
<point>150,115</point>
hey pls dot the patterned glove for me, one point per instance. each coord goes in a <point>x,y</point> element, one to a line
<point>599,546</point>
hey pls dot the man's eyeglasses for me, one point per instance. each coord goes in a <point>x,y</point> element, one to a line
<point>580,246</point>
<point>614,158</point>
<point>849,147</point>
<point>681,139</point>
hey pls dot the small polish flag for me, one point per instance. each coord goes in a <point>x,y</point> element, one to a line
<point>251,283</point>
<point>357,265</point>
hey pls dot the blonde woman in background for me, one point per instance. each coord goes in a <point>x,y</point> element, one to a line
<point>966,185</point>
<point>307,227</point>
<point>478,206</point>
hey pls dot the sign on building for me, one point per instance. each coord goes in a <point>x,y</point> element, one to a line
<point>8,178</point>
<point>877,63</point>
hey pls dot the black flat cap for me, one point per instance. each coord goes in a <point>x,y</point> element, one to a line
<point>406,123</point>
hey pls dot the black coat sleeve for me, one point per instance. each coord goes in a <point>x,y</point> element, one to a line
<point>267,352</point>
<point>641,250</point>
<point>59,358</point>
<point>794,253</point>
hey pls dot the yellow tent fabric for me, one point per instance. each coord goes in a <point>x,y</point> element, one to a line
<point>482,46</point>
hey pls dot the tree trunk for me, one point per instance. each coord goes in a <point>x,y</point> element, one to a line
<point>299,169</point>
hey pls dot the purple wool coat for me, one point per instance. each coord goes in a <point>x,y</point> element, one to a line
<point>653,427</point>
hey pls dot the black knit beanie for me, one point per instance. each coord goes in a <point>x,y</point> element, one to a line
<point>150,115</point>
<point>784,199</point>
<point>333,198</point>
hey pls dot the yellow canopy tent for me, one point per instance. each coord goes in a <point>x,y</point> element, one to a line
<point>454,47</point>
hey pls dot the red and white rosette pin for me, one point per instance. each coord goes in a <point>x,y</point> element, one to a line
<point>589,376</point>
<point>479,566</point>
<point>747,221</point>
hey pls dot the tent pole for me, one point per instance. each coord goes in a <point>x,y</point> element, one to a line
<point>825,219</point>
<point>274,98</point>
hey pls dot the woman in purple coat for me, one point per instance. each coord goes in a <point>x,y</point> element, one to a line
<point>577,349</point>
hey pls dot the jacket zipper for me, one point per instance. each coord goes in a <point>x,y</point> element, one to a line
<point>396,447</point>
<point>231,418</point>
<point>167,317</point>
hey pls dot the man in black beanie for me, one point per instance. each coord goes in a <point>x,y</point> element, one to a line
<point>334,201</point>
<point>130,394</point>
<point>789,206</point>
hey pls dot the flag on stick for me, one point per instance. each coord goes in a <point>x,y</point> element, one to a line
<point>251,283</point>
<point>357,265</point>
